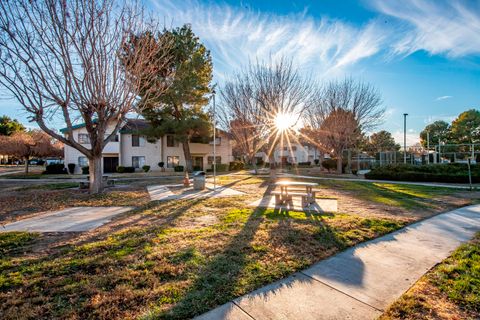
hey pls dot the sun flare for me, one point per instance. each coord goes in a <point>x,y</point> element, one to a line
<point>284,121</point>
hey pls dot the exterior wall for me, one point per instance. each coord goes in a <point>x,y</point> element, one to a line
<point>295,152</point>
<point>153,152</point>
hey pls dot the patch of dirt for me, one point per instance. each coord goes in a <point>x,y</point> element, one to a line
<point>197,222</point>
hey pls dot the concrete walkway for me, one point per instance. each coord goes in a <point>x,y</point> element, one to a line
<point>75,219</point>
<point>163,193</point>
<point>361,282</point>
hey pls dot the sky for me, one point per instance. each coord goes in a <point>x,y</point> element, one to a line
<point>422,56</point>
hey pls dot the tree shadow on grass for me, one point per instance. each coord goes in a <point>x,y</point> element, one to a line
<point>217,282</point>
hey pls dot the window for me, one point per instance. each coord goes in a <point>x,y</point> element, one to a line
<point>114,138</point>
<point>210,159</point>
<point>138,141</point>
<point>218,141</point>
<point>294,148</point>
<point>138,161</point>
<point>82,162</point>
<point>83,138</point>
<point>285,148</point>
<point>171,141</point>
<point>172,161</point>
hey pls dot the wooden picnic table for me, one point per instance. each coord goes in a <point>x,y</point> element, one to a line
<point>308,197</point>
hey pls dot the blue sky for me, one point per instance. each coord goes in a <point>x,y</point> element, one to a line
<point>423,56</point>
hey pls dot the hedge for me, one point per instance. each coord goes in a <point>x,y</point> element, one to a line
<point>55,168</point>
<point>178,168</point>
<point>454,173</point>
<point>236,165</point>
<point>122,169</point>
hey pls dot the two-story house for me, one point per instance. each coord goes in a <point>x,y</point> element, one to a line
<point>130,149</point>
<point>292,153</point>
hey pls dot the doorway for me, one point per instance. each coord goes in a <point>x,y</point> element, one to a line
<point>110,164</point>
<point>198,163</point>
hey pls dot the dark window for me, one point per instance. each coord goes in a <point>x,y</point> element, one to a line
<point>171,141</point>
<point>83,138</point>
<point>138,162</point>
<point>114,138</point>
<point>135,140</point>
<point>210,160</point>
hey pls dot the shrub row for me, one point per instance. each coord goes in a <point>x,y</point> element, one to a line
<point>454,173</point>
<point>122,169</point>
<point>236,165</point>
<point>55,168</point>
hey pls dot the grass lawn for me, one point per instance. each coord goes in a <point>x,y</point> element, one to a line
<point>451,290</point>
<point>177,259</point>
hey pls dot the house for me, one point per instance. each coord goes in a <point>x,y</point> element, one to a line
<point>291,153</point>
<point>130,149</point>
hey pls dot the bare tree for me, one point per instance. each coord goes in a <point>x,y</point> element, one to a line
<point>342,111</point>
<point>255,99</point>
<point>62,60</point>
<point>25,145</point>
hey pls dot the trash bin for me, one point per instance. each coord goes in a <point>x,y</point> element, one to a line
<point>199,180</point>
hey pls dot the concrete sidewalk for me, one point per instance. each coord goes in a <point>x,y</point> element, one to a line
<point>361,282</point>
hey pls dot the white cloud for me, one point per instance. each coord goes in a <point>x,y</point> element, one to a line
<point>443,98</point>
<point>438,27</point>
<point>412,137</point>
<point>237,35</point>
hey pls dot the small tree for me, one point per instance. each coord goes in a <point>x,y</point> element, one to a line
<point>382,141</point>
<point>63,60</point>
<point>179,110</point>
<point>25,145</point>
<point>436,132</point>
<point>466,127</point>
<point>343,103</point>
<point>258,97</point>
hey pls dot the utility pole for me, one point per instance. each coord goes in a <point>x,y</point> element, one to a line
<point>405,137</point>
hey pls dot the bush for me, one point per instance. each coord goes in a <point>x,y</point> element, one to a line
<point>71,168</point>
<point>316,161</point>
<point>454,173</point>
<point>122,169</point>
<point>236,165</point>
<point>260,162</point>
<point>197,168</point>
<point>146,168</point>
<point>41,162</point>
<point>55,168</point>
<point>178,168</point>
<point>329,164</point>
<point>85,170</point>
<point>305,164</point>
<point>161,164</point>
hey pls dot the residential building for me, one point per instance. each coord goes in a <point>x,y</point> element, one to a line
<point>292,153</point>
<point>131,149</point>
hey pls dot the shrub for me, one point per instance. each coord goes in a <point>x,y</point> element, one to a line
<point>305,164</point>
<point>129,169</point>
<point>161,164</point>
<point>329,164</point>
<point>178,168</point>
<point>236,165</point>
<point>197,168</point>
<point>146,168</point>
<point>260,162</point>
<point>454,173</point>
<point>316,161</point>
<point>85,170</point>
<point>120,169</point>
<point>55,168</point>
<point>71,168</point>
<point>41,162</point>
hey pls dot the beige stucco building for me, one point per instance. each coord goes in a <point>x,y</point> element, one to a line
<point>131,149</point>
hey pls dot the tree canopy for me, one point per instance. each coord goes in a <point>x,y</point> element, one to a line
<point>180,109</point>
<point>466,127</point>
<point>9,126</point>
<point>437,131</point>
<point>382,141</point>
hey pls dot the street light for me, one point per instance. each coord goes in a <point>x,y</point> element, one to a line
<point>214,143</point>
<point>405,137</point>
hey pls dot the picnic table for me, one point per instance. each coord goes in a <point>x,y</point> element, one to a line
<point>289,189</point>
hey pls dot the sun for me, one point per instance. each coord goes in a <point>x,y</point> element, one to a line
<point>284,121</point>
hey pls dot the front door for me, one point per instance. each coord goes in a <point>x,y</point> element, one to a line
<point>110,164</point>
<point>198,163</point>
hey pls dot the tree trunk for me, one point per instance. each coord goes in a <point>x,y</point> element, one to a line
<point>273,167</point>
<point>348,169</point>
<point>339,164</point>
<point>26,165</point>
<point>188,156</point>
<point>95,174</point>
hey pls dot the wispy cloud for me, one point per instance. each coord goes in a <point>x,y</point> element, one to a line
<point>237,35</point>
<point>443,98</point>
<point>447,27</point>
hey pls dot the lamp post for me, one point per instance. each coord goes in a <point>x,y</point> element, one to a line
<point>428,147</point>
<point>214,143</point>
<point>405,137</point>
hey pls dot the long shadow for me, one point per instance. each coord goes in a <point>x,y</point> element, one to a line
<point>217,281</point>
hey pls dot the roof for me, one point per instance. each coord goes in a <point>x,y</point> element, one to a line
<point>133,126</point>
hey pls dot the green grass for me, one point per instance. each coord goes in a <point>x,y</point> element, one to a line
<point>10,241</point>
<point>398,195</point>
<point>449,291</point>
